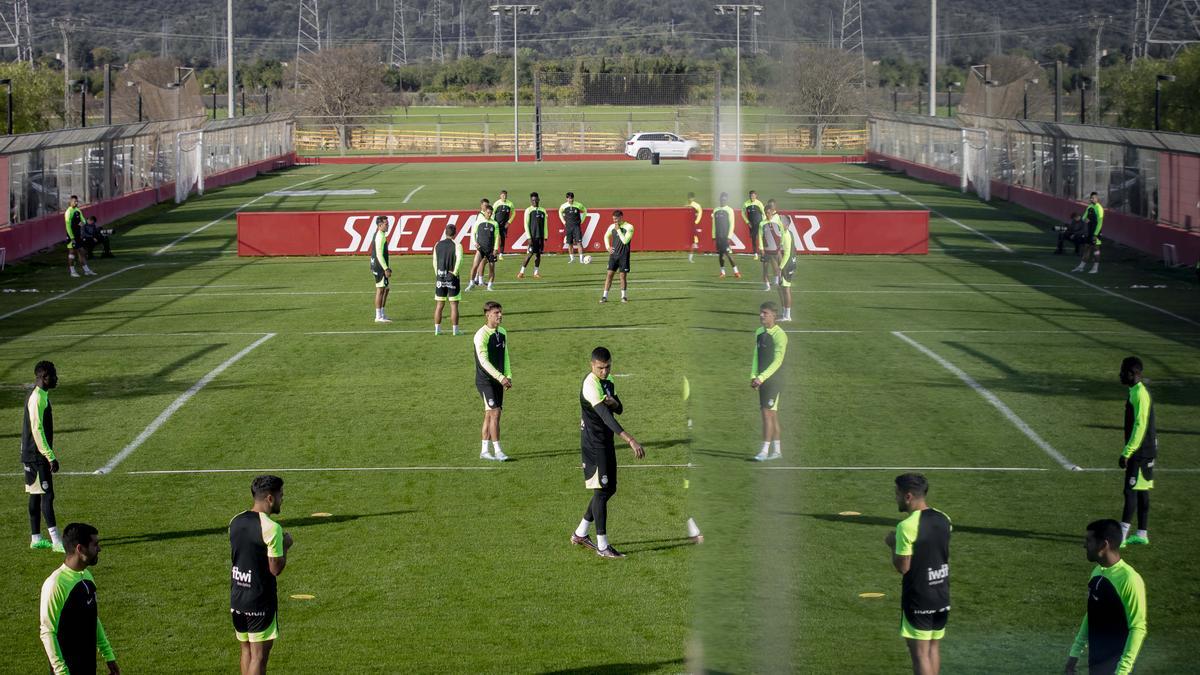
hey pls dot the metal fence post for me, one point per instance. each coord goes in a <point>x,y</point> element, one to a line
<point>437,139</point>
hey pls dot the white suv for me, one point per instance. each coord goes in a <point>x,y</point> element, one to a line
<point>641,146</point>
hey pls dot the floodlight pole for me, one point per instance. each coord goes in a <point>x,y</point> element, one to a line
<point>1157,101</point>
<point>737,11</point>
<point>228,61</point>
<point>933,58</point>
<point>9,83</point>
<point>515,10</point>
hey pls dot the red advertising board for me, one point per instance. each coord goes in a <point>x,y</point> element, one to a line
<point>306,233</point>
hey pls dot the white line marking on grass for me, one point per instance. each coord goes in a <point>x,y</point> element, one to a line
<point>168,472</point>
<point>252,201</point>
<point>323,193</point>
<point>996,402</point>
<point>409,195</point>
<point>902,468</point>
<point>89,336</point>
<point>931,210</point>
<point>528,330</point>
<point>177,404</point>
<point>63,295</point>
<point>1156,469</point>
<point>1114,294</point>
<point>694,178</point>
<point>657,466</point>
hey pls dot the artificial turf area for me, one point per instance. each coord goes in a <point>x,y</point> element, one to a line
<point>434,561</point>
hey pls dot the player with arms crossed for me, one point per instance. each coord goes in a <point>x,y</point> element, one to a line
<point>74,223</point>
<point>258,552</point>
<point>1094,217</point>
<point>572,213</point>
<point>381,268</point>
<point>754,212</point>
<point>493,376</point>
<point>617,239</point>
<point>38,458</point>
<point>536,228</point>
<point>447,256</point>
<point>502,210</point>
<point>722,229</point>
<point>920,548</point>
<point>770,346</point>
<point>598,424</point>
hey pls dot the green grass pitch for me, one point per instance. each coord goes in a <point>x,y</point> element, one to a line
<point>434,561</point>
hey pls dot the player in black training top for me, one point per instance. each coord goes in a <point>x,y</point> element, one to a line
<point>572,213</point>
<point>70,620</point>
<point>598,424</point>
<point>921,552</point>
<point>493,376</point>
<point>536,229</point>
<point>38,458</point>
<point>502,211</point>
<point>258,551</point>
<point>1139,454</point>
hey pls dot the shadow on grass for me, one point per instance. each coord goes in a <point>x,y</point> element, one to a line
<point>615,668</point>
<point>650,545</point>
<point>876,521</point>
<point>291,523</point>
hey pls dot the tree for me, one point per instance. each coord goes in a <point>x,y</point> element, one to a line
<point>340,84</point>
<point>102,56</point>
<point>37,96</point>
<point>1130,91</point>
<point>819,82</point>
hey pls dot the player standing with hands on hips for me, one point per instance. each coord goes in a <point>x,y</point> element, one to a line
<point>381,268</point>
<point>493,376</point>
<point>572,213</point>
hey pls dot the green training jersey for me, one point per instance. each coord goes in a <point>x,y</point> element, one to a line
<point>1115,624</point>
<point>770,345</point>
<point>502,211</point>
<point>619,246</point>
<point>1141,438</point>
<point>253,539</point>
<point>722,222</point>
<point>74,222</point>
<point>491,355</point>
<point>37,428</point>
<point>379,252</point>
<point>1094,215</point>
<point>572,213</point>
<point>447,256</point>
<point>535,223</point>
<point>70,622</point>
<point>753,210</point>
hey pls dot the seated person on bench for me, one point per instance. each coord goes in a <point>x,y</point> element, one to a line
<point>1074,232</point>
<point>93,236</point>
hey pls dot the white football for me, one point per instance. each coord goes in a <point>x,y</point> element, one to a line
<point>587,260</point>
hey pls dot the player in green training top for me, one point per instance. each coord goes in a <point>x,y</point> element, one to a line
<point>502,211</point>
<point>258,552</point>
<point>447,256</point>
<point>381,268</point>
<point>722,230</point>
<point>598,424</point>
<point>618,239</point>
<point>70,620</point>
<point>1139,454</point>
<point>766,376</point>
<point>697,216</point>
<point>1115,624</point>
<point>572,215</point>
<point>38,458</point>
<point>787,258</point>
<point>920,548</point>
<point>493,376</point>
<point>1094,217</point>
<point>537,226</point>
<point>74,223</point>
<point>754,213</point>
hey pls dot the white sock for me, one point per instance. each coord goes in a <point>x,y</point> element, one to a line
<point>693,529</point>
<point>378,313</point>
<point>496,446</point>
<point>35,538</point>
<point>437,329</point>
<point>522,269</point>
<point>1143,534</point>
<point>735,269</point>
<point>88,269</point>
<point>722,270</point>
<point>54,535</point>
<point>456,329</point>
<point>775,448</point>
<point>622,292</point>
<point>570,257</point>
<point>484,451</point>
<point>582,530</point>
<point>766,447</point>
<point>1125,531</point>
<point>601,542</point>
<point>604,294</point>
<point>689,257</point>
<point>1095,266</point>
<point>535,270</point>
